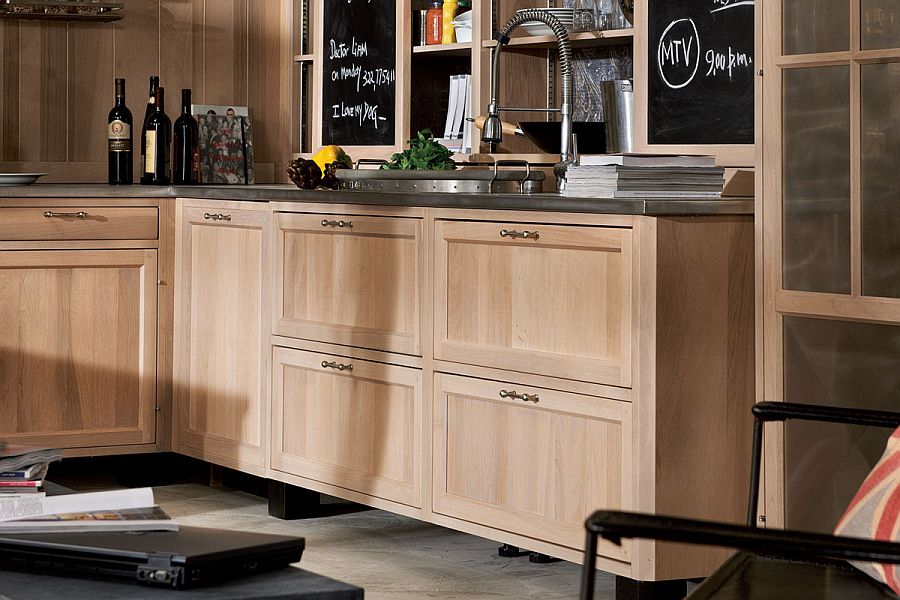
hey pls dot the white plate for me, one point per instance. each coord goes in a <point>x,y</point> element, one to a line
<point>7,179</point>
<point>538,28</point>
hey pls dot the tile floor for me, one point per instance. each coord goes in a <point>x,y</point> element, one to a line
<point>391,557</point>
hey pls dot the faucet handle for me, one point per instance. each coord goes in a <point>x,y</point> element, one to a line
<point>574,148</point>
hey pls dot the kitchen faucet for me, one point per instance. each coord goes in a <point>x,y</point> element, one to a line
<point>492,132</point>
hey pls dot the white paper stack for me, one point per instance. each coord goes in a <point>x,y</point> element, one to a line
<point>645,176</point>
<point>457,128</point>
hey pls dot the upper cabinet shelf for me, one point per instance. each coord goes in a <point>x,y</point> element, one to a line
<point>61,10</point>
<point>579,40</point>
<point>457,49</point>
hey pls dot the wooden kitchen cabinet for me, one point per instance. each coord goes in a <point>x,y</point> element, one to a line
<point>221,336</point>
<point>78,347</point>
<point>351,280</point>
<point>529,461</point>
<point>545,299</point>
<point>348,423</point>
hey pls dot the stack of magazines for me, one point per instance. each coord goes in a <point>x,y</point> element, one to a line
<point>645,176</point>
<point>26,508</point>
<point>22,470</point>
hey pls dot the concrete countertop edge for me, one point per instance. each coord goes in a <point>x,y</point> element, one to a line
<point>290,193</point>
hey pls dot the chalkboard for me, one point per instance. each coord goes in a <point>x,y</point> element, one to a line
<point>700,72</point>
<point>359,72</point>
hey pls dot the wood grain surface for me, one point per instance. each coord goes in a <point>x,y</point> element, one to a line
<point>56,79</point>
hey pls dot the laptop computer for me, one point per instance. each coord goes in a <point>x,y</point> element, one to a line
<point>191,556</point>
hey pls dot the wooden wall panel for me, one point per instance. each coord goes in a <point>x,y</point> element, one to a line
<point>56,82</point>
<point>90,90</point>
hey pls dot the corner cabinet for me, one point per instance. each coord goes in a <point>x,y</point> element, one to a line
<point>221,332</point>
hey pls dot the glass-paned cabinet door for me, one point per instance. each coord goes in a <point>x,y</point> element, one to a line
<point>831,242</point>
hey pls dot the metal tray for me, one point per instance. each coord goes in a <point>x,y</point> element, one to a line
<point>524,181</point>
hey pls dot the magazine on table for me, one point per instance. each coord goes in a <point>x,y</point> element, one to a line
<point>151,518</point>
<point>17,507</point>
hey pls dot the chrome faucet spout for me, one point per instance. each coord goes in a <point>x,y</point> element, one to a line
<point>492,131</point>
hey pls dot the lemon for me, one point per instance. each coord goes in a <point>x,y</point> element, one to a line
<point>329,154</point>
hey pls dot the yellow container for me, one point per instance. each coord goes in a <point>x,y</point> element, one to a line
<point>449,31</point>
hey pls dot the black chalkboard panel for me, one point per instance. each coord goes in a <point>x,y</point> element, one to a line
<point>700,72</point>
<point>359,72</point>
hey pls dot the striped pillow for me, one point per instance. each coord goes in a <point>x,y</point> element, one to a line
<point>875,511</point>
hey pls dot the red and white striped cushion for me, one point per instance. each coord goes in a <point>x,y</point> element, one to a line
<point>875,511</point>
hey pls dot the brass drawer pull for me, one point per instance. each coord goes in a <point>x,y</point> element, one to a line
<point>525,235</point>
<point>523,397</point>
<point>216,217</point>
<point>64,215</point>
<point>327,223</point>
<point>335,365</point>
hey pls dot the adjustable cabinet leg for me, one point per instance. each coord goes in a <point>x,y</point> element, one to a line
<point>629,589</point>
<point>510,551</point>
<point>537,557</point>
<point>291,502</point>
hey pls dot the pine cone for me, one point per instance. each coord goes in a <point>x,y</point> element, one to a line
<point>304,173</point>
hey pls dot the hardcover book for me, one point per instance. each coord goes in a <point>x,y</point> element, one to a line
<point>226,150</point>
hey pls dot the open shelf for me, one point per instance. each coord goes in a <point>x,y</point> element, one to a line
<point>60,10</point>
<point>457,49</point>
<point>579,40</point>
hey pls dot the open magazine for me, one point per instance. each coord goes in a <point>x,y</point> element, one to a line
<point>117,510</point>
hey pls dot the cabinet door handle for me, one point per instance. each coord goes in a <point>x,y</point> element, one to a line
<point>525,235</point>
<point>63,215</point>
<point>523,397</point>
<point>342,224</point>
<point>216,217</point>
<point>336,365</point>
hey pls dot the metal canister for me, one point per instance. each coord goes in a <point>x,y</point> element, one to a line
<point>618,114</point>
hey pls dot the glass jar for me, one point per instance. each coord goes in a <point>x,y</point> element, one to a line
<point>434,20</point>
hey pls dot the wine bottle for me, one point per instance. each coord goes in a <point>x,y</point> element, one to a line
<point>151,103</point>
<point>119,139</point>
<point>158,135</point>
<point>186,169</point>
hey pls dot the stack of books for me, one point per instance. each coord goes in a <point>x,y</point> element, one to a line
<point>645,176</point>
<point>458,126</point>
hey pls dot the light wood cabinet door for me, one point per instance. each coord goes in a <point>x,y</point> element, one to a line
<point>221,340</point>
<point>350,423</point>
<point>78,347</point>
<point>535,467</point>
<point>557,302</point>
<point>349,280</point>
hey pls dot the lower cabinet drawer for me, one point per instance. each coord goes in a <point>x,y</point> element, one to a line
<point>350,423</point>
<point>533,462</point>
<point>79,223</point>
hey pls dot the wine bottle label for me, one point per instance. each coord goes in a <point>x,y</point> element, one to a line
<point>150,153</point>
<point>119,136</point>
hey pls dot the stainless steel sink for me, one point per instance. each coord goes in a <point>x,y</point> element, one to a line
<point>473,181</point>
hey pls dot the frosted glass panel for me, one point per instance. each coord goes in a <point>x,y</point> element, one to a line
<point>880,192</point>
<point>880,24</point>
<point>836,363</point>
<point>816,179</point>
<point>811,26</point>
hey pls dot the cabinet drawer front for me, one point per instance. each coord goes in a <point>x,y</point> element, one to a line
<point>533,468</point>
<point>357,428</point>
<point>355,284</point>
<point>558,305</point>
<point>79,223</point>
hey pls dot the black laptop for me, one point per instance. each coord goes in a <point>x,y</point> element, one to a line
<point>191,556</point>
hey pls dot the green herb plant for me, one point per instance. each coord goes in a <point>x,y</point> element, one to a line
<point>424,153</point>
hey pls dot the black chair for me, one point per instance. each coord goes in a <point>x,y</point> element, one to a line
<point>771,563</point>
